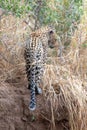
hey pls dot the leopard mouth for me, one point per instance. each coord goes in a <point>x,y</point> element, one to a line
<point>50,45</point>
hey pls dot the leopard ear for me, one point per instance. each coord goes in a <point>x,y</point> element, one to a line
<point>33,34</point>
<point>51,29</point>
<point>51,26</point>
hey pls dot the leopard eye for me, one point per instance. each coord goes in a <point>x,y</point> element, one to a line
<point>51,32</point>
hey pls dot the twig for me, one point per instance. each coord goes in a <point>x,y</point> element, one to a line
<point>45,117</point>
<point>37,12</point>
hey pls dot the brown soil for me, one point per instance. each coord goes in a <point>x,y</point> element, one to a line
<point>14,112</point>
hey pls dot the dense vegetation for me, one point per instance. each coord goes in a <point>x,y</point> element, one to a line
<point>64,14</point>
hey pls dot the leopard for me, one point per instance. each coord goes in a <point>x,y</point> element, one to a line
<point>35,55</point>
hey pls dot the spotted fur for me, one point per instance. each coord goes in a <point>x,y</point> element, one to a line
<point>35,57</point>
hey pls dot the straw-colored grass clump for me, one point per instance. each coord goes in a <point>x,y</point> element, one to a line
<point>66,95</point>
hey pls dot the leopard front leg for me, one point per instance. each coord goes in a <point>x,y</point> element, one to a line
<point>37,88</point>
<point>37,75</point>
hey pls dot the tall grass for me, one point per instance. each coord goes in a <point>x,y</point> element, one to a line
<point>64,80</point>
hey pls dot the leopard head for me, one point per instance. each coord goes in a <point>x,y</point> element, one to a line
<point>52,40</point>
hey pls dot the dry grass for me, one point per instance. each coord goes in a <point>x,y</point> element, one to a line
<point>65,91</point>
<point>64,80</point>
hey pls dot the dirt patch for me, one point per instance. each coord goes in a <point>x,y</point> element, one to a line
<point>14,112</point>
